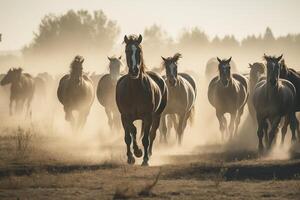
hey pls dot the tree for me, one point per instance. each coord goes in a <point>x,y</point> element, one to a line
<point>75,32</point>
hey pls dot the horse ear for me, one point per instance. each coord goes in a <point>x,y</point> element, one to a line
<point>250,65</point>
<point>218,59</point>
<point>140,39</point>
<point>229,59</point>
<point>120,57</point>
<point>265,57</point>
<point>126,39</point>
<point>164,59</point>
<point>82,60</point>
<point>108,58</point>
<point>279,58</point>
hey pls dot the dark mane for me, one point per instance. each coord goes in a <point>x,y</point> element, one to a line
<point>76,64</point>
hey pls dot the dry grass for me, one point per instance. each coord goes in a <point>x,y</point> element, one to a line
<point>129,191</point>
<point>23,141</point>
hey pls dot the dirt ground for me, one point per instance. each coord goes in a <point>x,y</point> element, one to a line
<point>28,170</point>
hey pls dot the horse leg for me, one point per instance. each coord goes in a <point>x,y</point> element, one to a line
<point>231,124</point>
<point>109,117</point>
<point>163,129</point>
<point>116,120</point>
<point>82,119</point>
<point>293,126</point>
<point>136,150</point>
<point>28,109</point>
<point>266,133</point>
<point>222,123</point>
<point>260,132</point>
<point>147,121</point>
<point>126,125</point>
<point>10,107</point>
<point>181,126</point>
<point>238,120</point>
<point>154,128</point>
<point>172,122</point>
<point>284,129</point>
<point>274,128</point>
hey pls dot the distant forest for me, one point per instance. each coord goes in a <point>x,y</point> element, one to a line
<point>95,36</point>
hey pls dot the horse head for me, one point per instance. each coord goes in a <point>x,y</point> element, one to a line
<point>273,69</point>
<point>134,55</point>
<point>115,64</point>
<point>256,71</point>
<point>12,75</point>
<point>224,71</point>
<point>170,64</point>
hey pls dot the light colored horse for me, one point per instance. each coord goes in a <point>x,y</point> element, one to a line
<point>106,92</point>
<point>182,96</point>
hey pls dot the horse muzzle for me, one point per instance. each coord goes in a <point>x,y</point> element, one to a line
<point>172,82</point>
<point>225,83</point>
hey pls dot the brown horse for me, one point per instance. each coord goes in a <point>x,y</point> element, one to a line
<point>273,99</point>
<point>21,90</point>
<point>257,71</point>
<point>140,95</point>
<point>182,96</point>
<point>76,93</point>
<point>228,93</point>
<point>106,92</point>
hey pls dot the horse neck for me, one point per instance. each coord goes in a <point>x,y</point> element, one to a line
<point>272,91</point>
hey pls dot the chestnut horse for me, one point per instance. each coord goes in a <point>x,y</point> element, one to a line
<point>140,95</point>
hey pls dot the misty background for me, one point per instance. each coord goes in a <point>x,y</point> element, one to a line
<point>63,33</point>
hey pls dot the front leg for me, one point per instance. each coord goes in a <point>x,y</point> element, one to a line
<point>274,127</point>
<point>10,107</point>
<point>126,125</point>
<point>147,122</point>
<point>231,124</point>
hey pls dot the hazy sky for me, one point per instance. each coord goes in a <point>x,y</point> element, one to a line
<point>20,18</point>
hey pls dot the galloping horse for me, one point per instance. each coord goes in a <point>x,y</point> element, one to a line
<point>228,93</point>
<point>21,90</point>
<point>140,95</point>
<point>106,92</point>
<point>294,77</point>
<point>257,71</point>
<point>76,93</point>
<point>273,99</point>
<point>182,96</point>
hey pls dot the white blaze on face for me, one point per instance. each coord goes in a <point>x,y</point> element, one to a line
<point>172,69</point>
<point>133,59</point>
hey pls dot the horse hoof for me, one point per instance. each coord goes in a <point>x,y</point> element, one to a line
<point>131,160</point>
<point>145,164</point>
<point>138,152</point>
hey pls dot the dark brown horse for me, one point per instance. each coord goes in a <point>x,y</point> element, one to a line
<point>140,95</point>
<point>76,93</point>
<point>257,71</point>
<point>21,90</point>
<point>294,77</point>
<point>182,96</point>
<point>106,92</point>
<point>273,99</point>
<point>228,93</point>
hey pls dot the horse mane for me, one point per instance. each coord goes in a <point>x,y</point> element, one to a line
<point>173,58</point>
